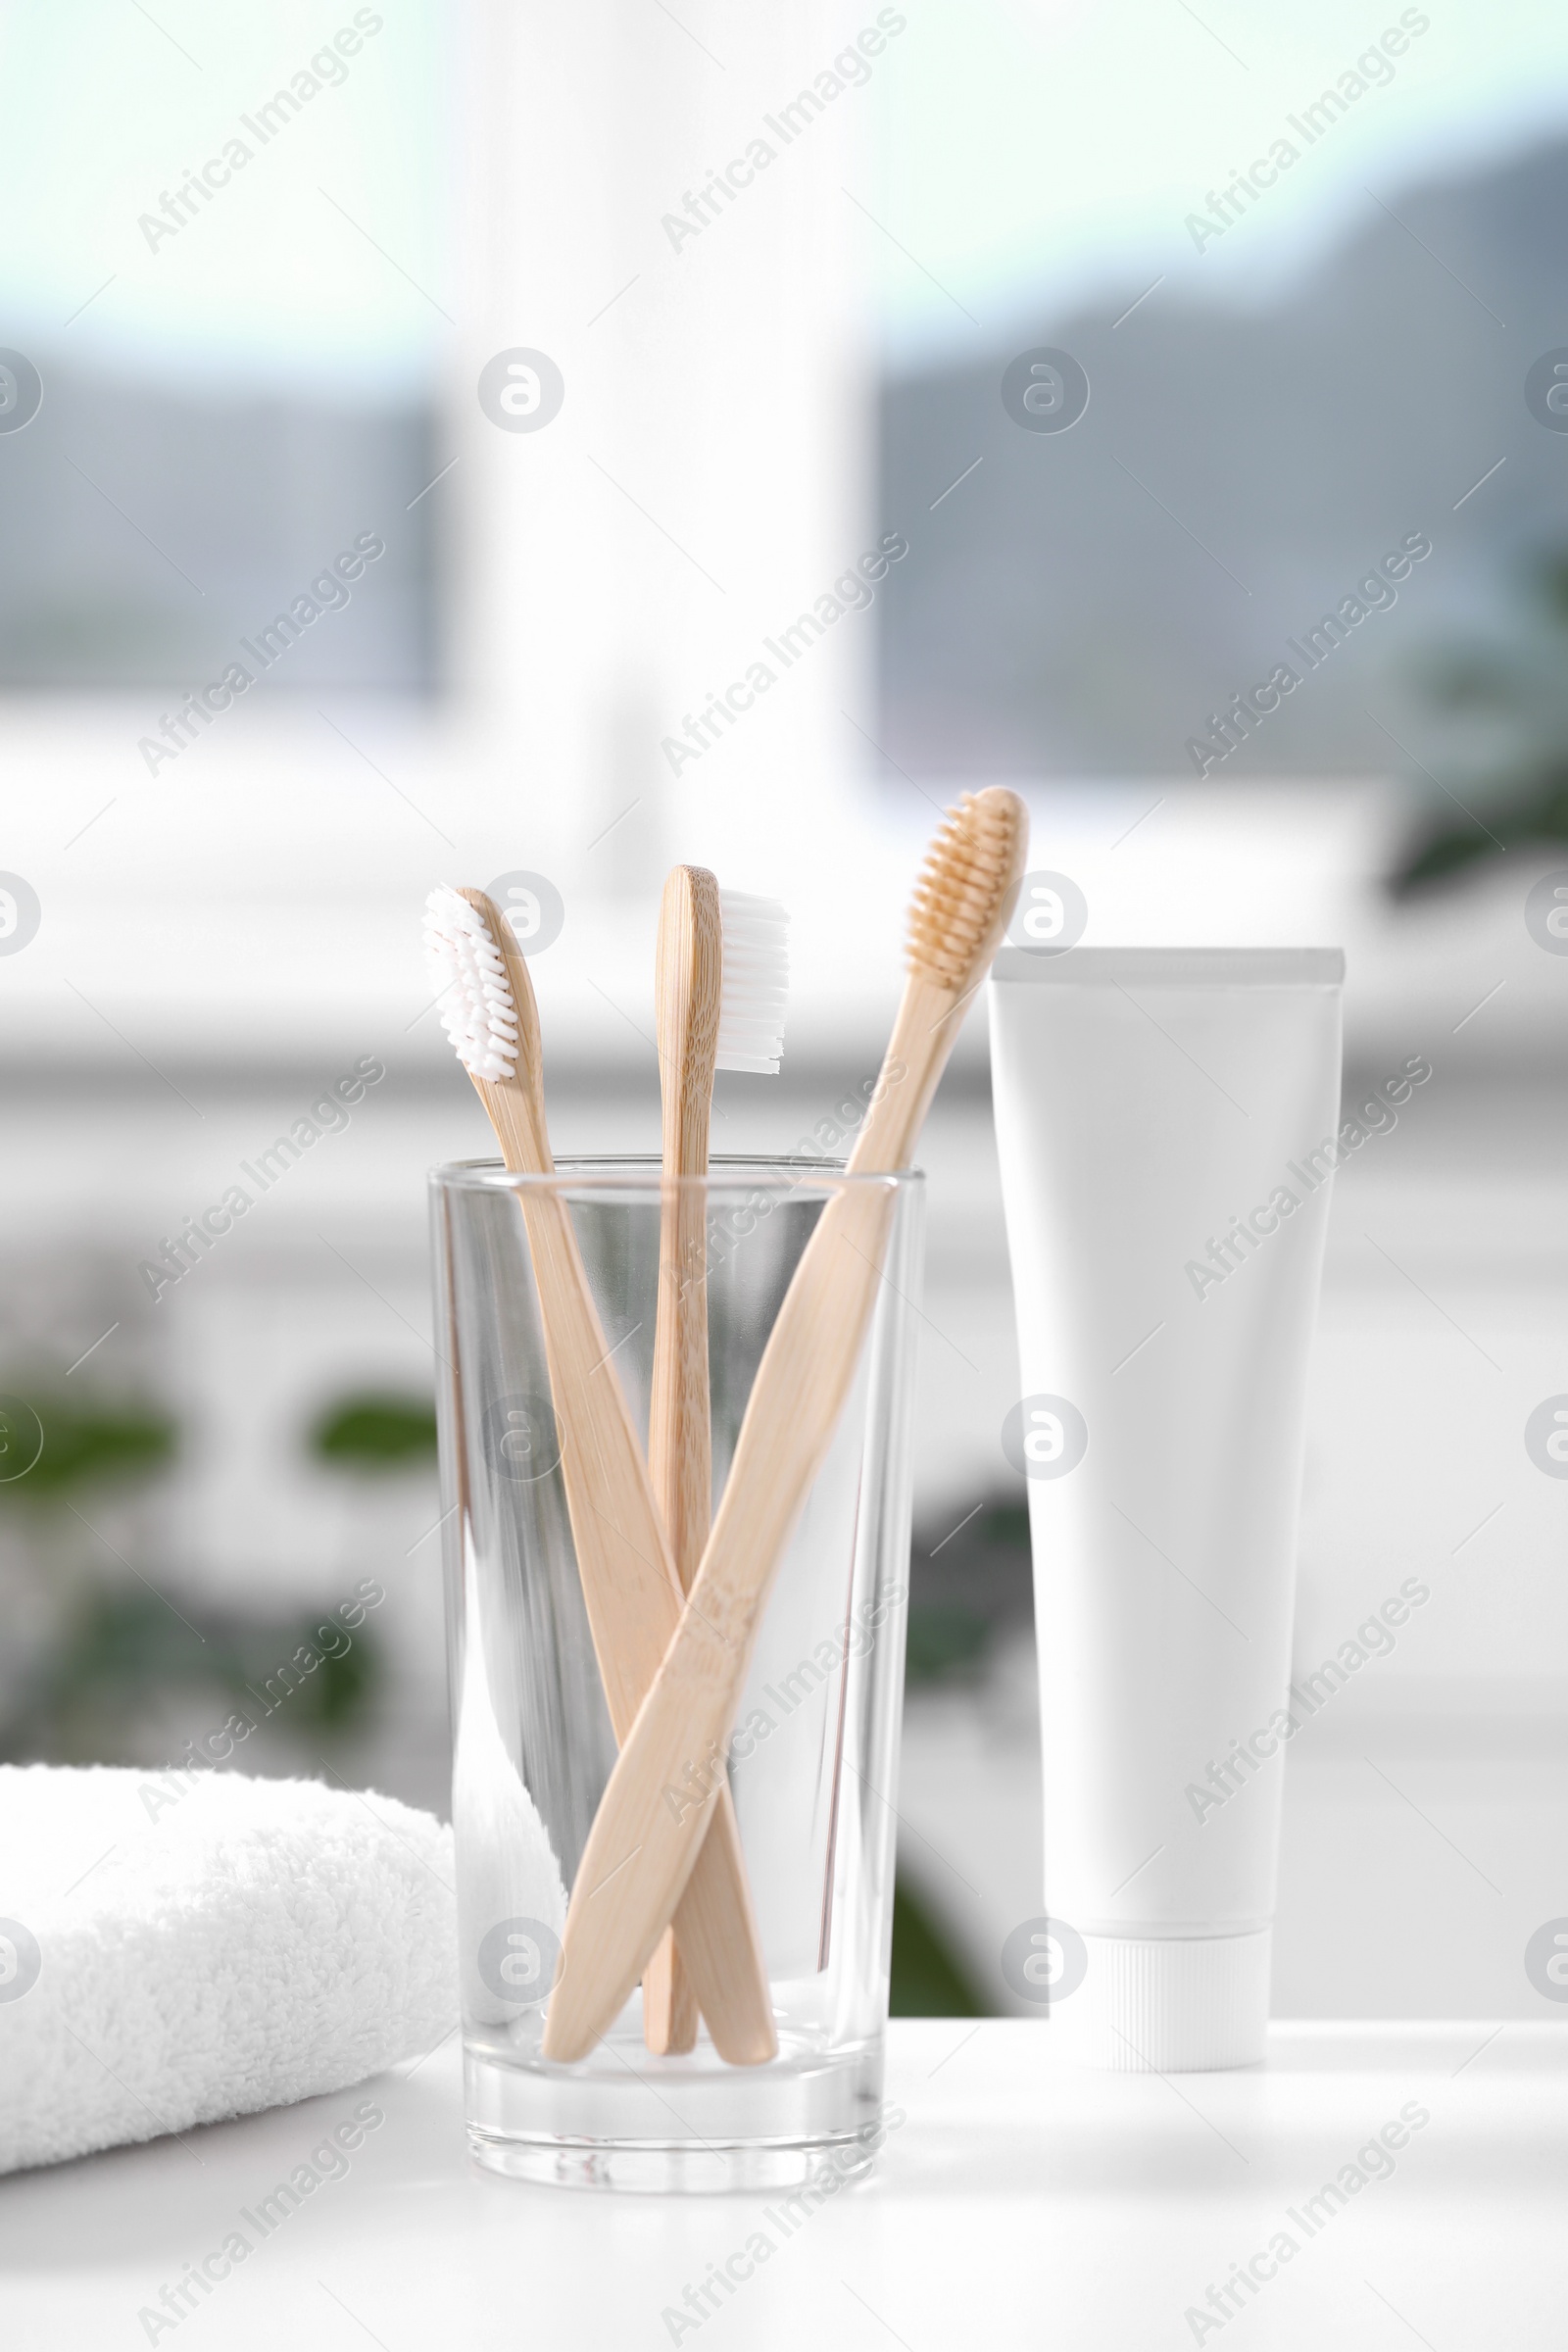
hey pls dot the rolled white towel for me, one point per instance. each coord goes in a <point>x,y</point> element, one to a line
<point>174,1949</point>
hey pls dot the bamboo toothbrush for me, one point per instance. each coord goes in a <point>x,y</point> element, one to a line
<point>670,1770</point>
<point>628,1579</point>
<point>721,977</point>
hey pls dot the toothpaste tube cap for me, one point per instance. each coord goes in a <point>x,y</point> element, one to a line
<point>1170,2004</point>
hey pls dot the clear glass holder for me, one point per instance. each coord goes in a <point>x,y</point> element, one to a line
<point>814,1753</point>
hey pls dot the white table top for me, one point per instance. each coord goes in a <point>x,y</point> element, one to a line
<point>1019,2204</point>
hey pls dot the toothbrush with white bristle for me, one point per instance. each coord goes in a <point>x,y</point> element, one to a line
<point>629,1586</point>
<point>720,985</point>
<point>755,980</point>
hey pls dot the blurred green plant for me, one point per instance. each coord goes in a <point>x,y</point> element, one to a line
<point>968,1585</point>
<point>124,1658</point>
<point>119,1661</point>
<point>87,1441</point>
<point>1004,1527</point>
<point>947,1642</point>
<point>1509,785</point>
<point>928,1977</point>
<point>374,1433</point>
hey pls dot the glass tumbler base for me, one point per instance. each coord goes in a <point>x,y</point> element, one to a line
<point>816,2127</point>
<point>675,2167</point>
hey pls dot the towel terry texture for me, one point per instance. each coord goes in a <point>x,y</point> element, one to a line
<point>175,1950</point>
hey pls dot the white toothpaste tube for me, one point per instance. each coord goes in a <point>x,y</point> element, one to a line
<point>1167,1120</point>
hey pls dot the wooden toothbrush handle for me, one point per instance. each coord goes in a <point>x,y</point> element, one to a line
<point>681,1465</point>
<point>634,1606</point>
<point>681,1451</point>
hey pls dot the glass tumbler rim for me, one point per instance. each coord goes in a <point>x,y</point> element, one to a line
<point>626,1174</point>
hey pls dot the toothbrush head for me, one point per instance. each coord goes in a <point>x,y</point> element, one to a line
<point>468,970</point>
<point>756,982</point>
<point>967,886</point>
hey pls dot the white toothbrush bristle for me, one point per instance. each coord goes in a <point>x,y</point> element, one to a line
<point>468,975</point>
<point>756,982</point>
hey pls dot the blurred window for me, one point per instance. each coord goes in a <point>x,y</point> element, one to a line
<point>1306,260</point>
<point>228,280</point>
